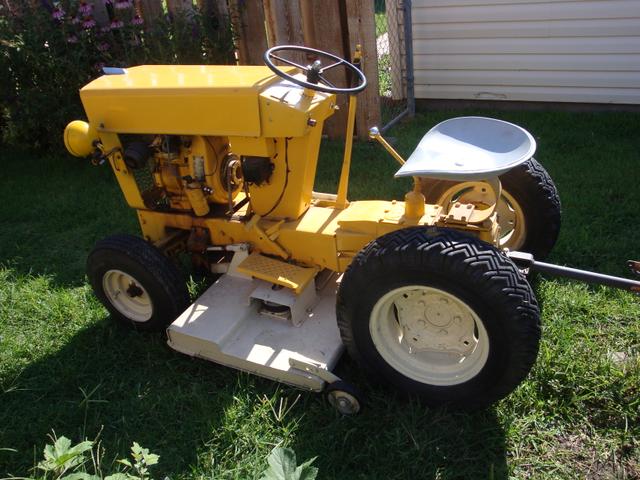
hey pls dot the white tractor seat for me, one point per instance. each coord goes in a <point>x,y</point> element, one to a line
<point>469,148</point>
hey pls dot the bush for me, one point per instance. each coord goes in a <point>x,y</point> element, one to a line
<point>49,50</point>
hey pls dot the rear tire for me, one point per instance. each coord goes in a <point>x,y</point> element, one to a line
<point>440,314</point>
<point>136,283</point>
<point>530,200</point>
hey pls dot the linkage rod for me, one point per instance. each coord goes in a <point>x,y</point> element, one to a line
<point>526,260</point>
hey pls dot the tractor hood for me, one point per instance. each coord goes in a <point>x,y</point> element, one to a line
<point>197,100</point>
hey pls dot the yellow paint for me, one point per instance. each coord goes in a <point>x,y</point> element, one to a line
<point>197,199</point>
<point>277,271</point>
<point>223,113</point>
<point>79,137</point>
<point>126,180</point>
<point>414,204</point>
<point>341,199</point>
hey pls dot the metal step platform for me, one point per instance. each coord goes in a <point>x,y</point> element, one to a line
<point>277,271</point>
<point>225,325</point>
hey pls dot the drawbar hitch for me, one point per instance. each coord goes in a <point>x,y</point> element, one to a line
<point>526,260</point>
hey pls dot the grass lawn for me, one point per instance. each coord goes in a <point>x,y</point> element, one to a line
<point>64,366</point>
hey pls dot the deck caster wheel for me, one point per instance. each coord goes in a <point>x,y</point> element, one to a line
<point>344,397</point>
<point>138,285</point>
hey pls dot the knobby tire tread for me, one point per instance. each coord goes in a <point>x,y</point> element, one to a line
<point>433,250</point>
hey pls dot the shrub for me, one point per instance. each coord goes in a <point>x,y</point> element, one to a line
<point>49,50</point>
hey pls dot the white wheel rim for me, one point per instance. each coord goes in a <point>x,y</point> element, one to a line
<point>513,231</point>
<point>344,402</point>
<point>429,335</point>
<point>510,215</point>
<point>127,295</point>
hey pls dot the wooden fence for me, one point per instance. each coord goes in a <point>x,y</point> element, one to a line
<point>336,26</point>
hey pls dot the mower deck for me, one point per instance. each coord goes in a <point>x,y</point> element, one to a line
<point>225,325</point>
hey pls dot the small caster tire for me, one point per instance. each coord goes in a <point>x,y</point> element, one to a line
<point>344,397</point>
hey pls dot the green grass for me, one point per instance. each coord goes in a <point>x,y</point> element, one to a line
<point>65,366</point>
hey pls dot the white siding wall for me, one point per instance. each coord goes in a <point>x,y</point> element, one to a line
<point>553,50</point>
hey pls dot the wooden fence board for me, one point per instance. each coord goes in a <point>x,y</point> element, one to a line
<point>323,30</point>
<point>284,25</point>
<point>362,31</point>
<point>248,20</point>
<point>149,10</point>
<point>175,6</point>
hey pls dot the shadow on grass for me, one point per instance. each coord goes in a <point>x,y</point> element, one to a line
<point>53,209</point>
<point>132,387</point>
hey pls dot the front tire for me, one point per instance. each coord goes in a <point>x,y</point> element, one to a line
<point>138,285</point>
<point>440,314</point>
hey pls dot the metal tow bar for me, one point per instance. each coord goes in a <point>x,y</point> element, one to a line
<point>526,260</point>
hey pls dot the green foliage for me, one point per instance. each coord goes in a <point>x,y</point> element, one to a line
<point>283,466</point>
<point>83,461</point>
<point>61,456</point>
<point>49,50</point>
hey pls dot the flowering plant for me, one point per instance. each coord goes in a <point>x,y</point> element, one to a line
<point>49,49</point>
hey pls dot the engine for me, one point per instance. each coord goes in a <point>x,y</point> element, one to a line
<point>184,172</point>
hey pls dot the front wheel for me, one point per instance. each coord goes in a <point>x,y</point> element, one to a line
<point>440,314</point>
<point>136,283</point>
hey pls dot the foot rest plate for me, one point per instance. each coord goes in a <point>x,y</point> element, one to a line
<point>277,271</point>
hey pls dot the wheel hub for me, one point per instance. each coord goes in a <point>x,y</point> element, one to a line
<point>127,295</point>
<point>134,290</point>
<point>429,335</point>
<point>434,322</point>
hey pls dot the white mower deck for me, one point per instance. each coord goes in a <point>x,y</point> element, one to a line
<point>225,325</point>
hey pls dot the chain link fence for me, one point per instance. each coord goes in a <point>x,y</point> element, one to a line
<point>395,60</point>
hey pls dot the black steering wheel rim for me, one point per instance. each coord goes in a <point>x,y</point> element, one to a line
<point>313,69</point>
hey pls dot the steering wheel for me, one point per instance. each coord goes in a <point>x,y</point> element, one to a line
<point>315,71</point>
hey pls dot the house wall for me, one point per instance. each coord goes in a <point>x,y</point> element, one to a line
<point>554,50</point>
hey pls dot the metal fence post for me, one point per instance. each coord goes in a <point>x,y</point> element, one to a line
<point>408,49</point>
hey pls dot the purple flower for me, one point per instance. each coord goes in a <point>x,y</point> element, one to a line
<point>104,46</point>
<point>115,24</point>
<point>108,2</point>
<point>123,4</point>
<point>88,23</point>
<point>72,39</point>
<point>76,20</point>
<point>85,8</point>
<point>105,29</point>
<point>58,13</point>
<point>137,20</point>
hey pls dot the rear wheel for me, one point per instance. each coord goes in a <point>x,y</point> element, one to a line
<point>439,314</point>
<point>529,210</point>
<point>137,284</point>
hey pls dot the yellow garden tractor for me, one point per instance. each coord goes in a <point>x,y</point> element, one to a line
<point>219,162</point>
